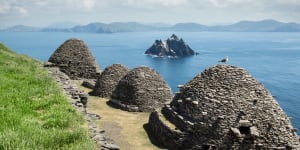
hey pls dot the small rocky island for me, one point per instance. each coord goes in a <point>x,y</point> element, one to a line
<point>172,47</point>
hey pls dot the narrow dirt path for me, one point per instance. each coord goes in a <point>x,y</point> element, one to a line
<point>127,129</point>
<point>75,95</point>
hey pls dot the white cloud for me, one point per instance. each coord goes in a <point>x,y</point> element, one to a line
<point>78,5</point>
<point>89,4</point>
<point>226,3</point>
<point>21,10</point>
<point>12,7</point>
<point>42,3</point>
<point>170,3</point>
<point>83,5</point>
<point>289,2</point>
<point>154,3</point>
<point>4,7</point>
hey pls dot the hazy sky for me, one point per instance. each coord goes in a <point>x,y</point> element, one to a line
<point>45,12</point>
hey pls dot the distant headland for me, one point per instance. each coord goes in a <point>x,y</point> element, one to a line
<point>268,25</point>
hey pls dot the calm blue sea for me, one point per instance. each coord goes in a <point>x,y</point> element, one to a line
<point>272,58</point>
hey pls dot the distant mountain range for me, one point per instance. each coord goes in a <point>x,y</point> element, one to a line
<point>242,26</point>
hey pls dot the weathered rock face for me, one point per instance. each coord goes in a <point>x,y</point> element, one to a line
<point>141,89</point>
<point>75,59</point>
<point>224,107</point>
<point>172,47</point>
<point>109,79</point>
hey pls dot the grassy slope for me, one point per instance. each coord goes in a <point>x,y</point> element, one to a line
<point>34,113</point>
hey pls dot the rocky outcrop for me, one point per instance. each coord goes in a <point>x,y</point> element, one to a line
<point>141,89</point>
<point>75,59</point>
<point>224,107</point>
<point>172,47</point>
<point>109,79</point>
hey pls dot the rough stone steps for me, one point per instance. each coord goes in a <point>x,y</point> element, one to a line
<point>166,121</point>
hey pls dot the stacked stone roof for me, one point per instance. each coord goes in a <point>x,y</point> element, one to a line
<point>141,89</point>
<point>109,79</point>
<point>75,59</point>
<point>224,107</point>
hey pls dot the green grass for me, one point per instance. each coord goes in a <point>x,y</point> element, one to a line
<point>34,112</point>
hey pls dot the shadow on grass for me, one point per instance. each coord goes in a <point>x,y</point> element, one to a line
<point>151,136</point>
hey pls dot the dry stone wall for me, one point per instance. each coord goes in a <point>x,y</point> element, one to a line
<point>224,107</point>
<point>79,100</point>
<point>174,138</point>
<point>109,79</point>
<point>75,59</point>
<point>141,89</point>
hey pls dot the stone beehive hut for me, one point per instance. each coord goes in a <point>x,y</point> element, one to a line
<point>224,108</point>
<point>141,89</point>
<point>75,59</point>
<point>109,79</point>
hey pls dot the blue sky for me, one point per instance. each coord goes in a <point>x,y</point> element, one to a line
<point>209,12</point>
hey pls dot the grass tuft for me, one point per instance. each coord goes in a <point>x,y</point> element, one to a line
<point>34,112</point>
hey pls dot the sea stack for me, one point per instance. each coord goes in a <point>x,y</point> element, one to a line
<point>223,107</point>
<point>75,59</point>
<point>142,89</point>
<point>172,47</point>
